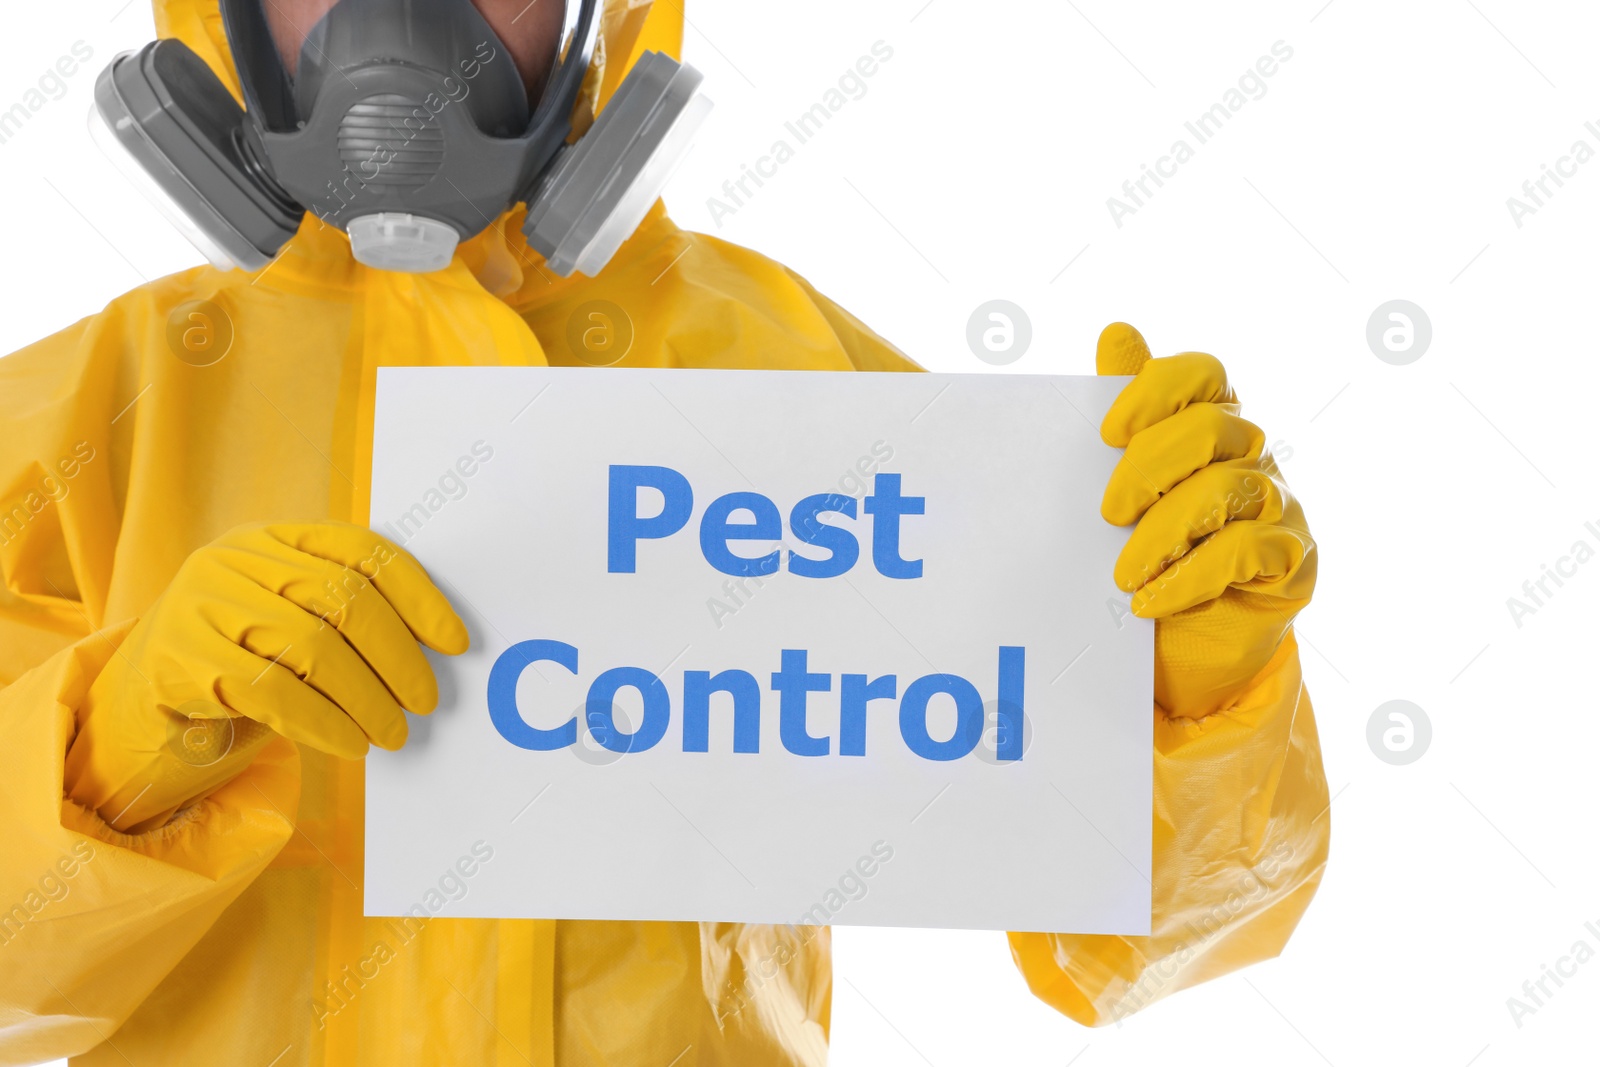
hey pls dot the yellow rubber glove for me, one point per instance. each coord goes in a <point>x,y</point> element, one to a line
<point>307,630</point>
<point>1221,556</point>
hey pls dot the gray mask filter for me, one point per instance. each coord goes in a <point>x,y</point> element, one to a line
<point>407,126</point>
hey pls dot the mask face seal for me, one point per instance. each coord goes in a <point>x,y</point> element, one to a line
<point>406,125</point>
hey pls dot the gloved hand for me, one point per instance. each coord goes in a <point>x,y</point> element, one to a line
<point>1221,557</point>
<point>306,630</point>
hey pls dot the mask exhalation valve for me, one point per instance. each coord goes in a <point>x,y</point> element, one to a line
<point>393,240</point>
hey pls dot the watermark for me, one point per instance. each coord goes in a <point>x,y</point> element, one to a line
<point>51,85</point>
<point>852,885</point>
<point>51,887</point>
<point>199,332</point>
<point>451,886</point>
<point>599,333</point>
<point>451,485</point>
<point>999,332</point>
<point>349,586</point>
<point>1536,592</point>
<point>200,732</point>
<point>1537,192</point>
<point>1253,885</point>
<point>738,592</point>
<point>1001,721</point>
<point>1253,489</point>
<point>1399,332</point>
<point>407,119</point>
<point>1399,732</point>
<point>851,85</point>
<point>1536,992</point>
<point>53,488</point>
<point>1251,85</point>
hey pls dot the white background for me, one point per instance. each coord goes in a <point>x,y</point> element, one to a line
<point>1377,167</point>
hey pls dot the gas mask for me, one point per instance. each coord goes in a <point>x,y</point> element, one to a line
<point>406,125</point>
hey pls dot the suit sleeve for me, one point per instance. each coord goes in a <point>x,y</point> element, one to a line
<point>91,919</point>
<point>1240,843</point>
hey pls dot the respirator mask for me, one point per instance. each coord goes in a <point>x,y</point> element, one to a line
<point>406,125</point>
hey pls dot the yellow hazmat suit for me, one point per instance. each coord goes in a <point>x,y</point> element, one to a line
<point>232,932</point>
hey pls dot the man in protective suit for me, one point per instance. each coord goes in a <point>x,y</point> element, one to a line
<point>184,477</point>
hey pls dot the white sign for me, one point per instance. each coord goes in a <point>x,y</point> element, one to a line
<point>765,646</point>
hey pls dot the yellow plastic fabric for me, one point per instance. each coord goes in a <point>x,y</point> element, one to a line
<point>1221,558</point>
<point>233,933</point>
